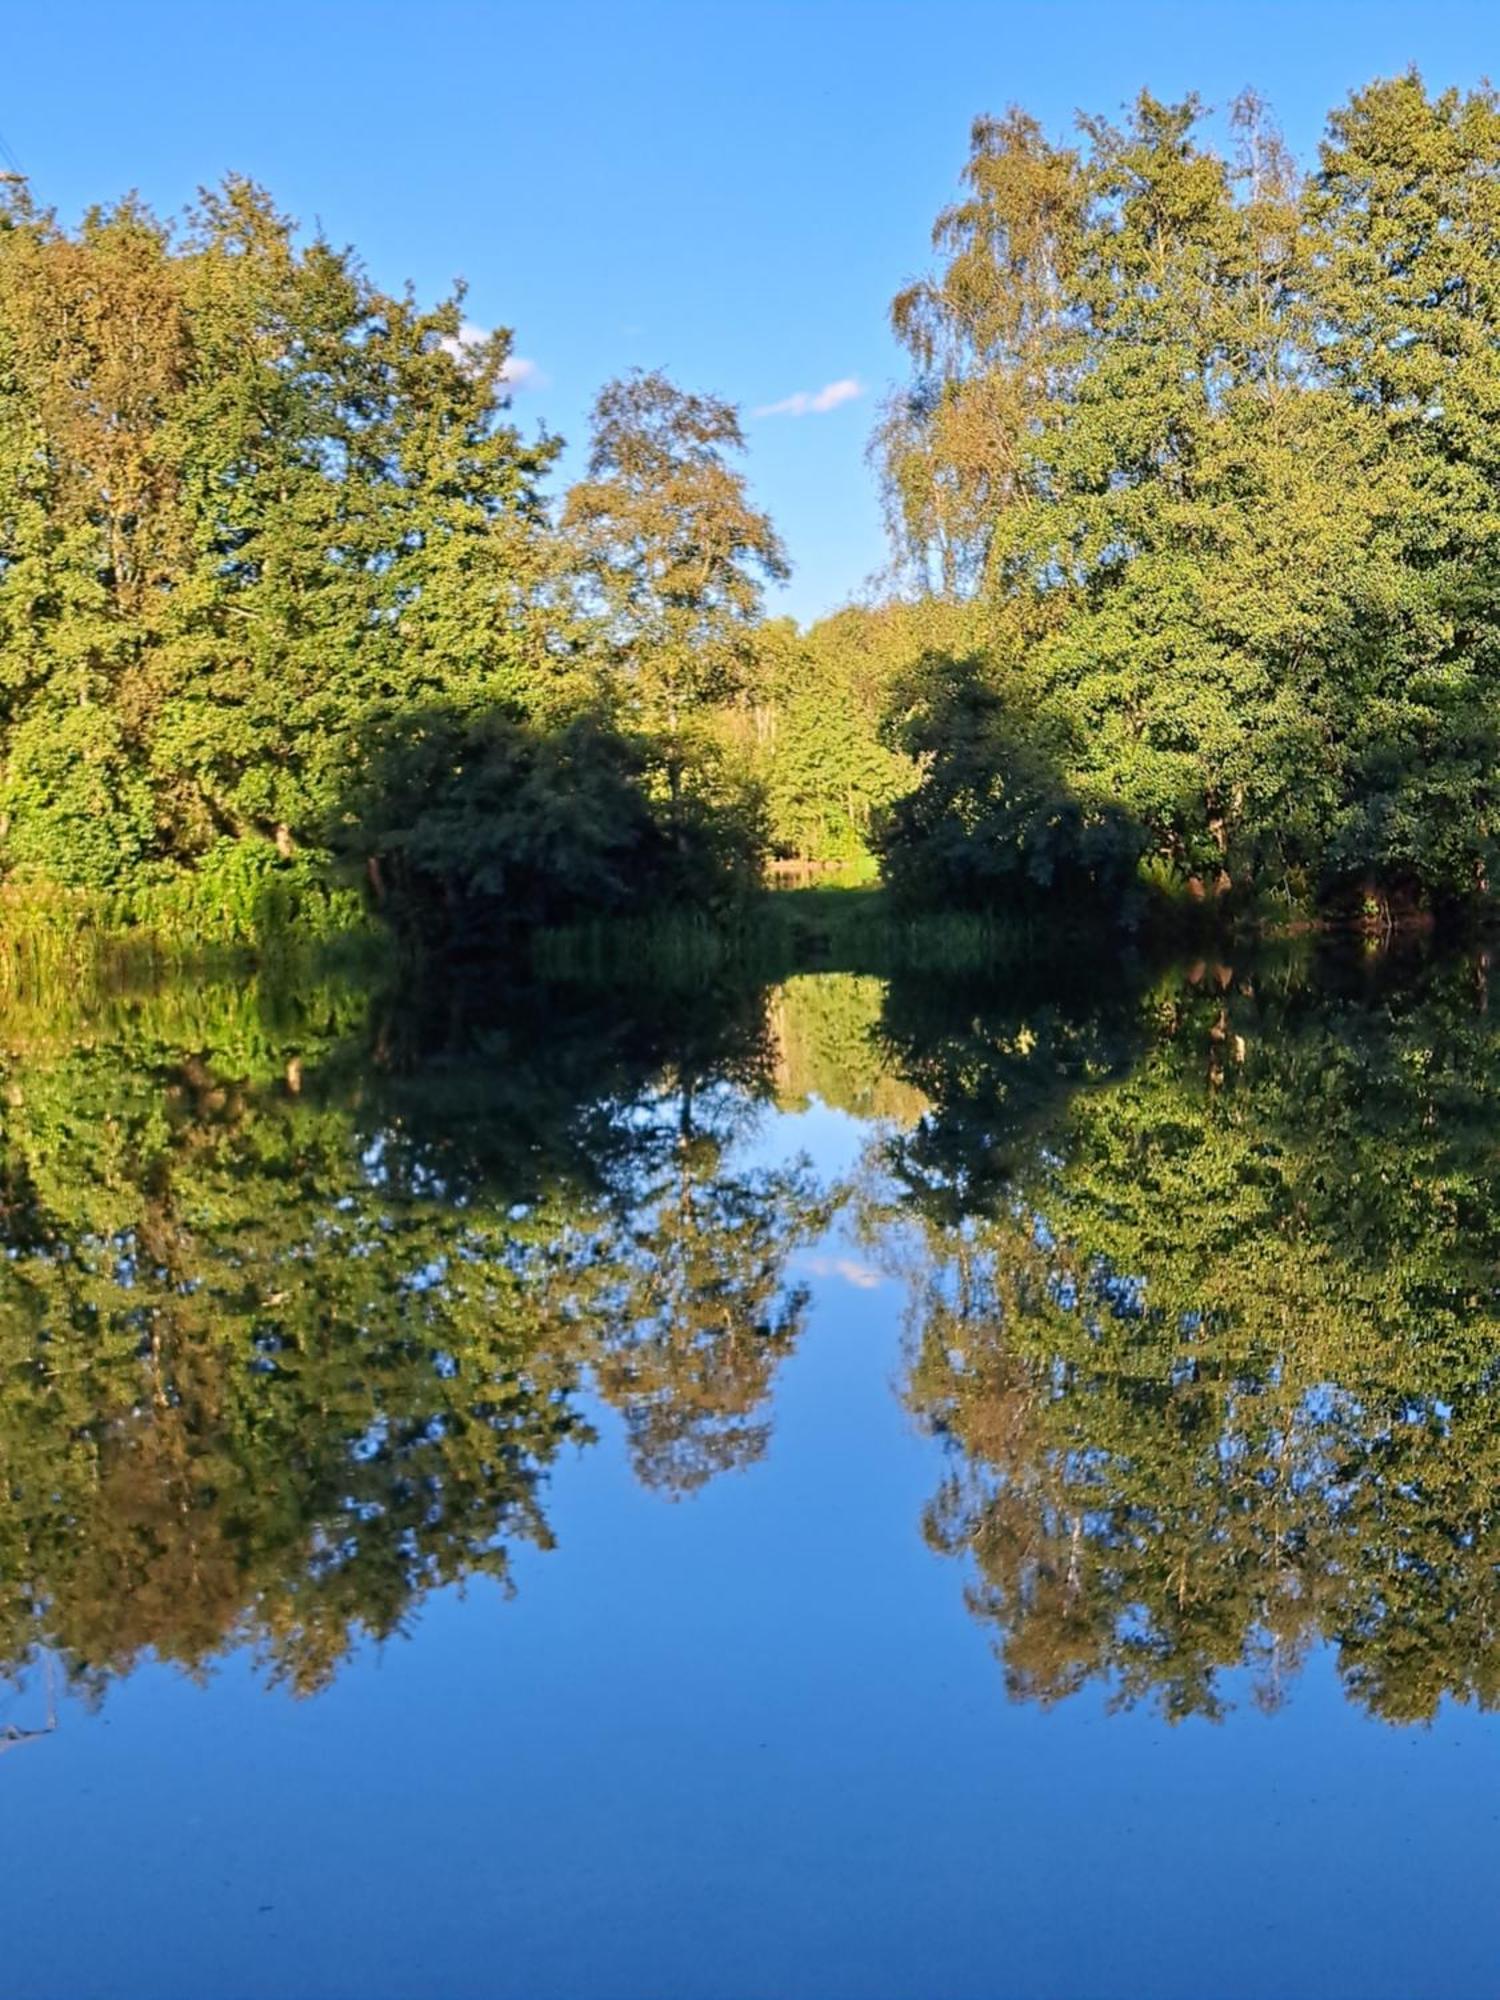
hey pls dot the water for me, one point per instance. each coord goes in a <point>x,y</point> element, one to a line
<point>964,1487</point>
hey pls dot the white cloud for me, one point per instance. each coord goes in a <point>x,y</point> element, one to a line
<point>814,402</point>
<point>517,373</point>
<point>522,374</point>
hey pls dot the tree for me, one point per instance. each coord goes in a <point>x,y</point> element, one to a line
<point>1404,221</point>
<point>992,818</point>
<point>810,727</point>
<point>992,339</point>
<point>665,532</point>
<point>1214,446</point>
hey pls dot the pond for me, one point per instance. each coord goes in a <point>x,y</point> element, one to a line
<point>835,1488</point>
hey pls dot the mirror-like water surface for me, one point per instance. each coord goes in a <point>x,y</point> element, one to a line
<point>845,1487</point>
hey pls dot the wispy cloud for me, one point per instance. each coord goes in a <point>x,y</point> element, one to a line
<point>815,402</point>
<point>518,373</point>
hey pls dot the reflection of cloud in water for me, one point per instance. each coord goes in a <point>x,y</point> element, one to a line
<point>850,1269</point>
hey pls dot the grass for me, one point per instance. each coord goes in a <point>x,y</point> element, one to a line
<point>78,943</point>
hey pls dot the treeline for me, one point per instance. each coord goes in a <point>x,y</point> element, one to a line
<point>1194,497</point>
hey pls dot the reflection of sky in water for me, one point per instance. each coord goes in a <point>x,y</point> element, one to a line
<point>833,1140</point>
<point>746,1744</point>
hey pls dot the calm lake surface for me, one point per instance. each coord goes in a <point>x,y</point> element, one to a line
<point>843,1488</point>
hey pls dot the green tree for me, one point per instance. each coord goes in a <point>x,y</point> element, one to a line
<point>1212,444</point>
<point>810,727</point>
<point>992,342</point>
<point>665,531</point>
<point>1404,221</point>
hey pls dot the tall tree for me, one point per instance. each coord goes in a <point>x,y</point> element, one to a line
<point>992,338</point>
<point>679,557</point>
<point>1404,220</point>
<point>1237,551</point>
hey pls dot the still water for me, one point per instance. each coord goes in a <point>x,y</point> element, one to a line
<point>840,1489</point>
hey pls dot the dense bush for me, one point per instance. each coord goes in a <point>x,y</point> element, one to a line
<point>480,817</point>
<point>992,822</point>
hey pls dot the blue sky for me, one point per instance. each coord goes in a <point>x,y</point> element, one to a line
<point>732,191</point>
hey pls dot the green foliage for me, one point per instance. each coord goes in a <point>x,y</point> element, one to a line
<point>80,808</point>
<point>811,731</point>
<point>478,818</point>
<point>1213,446</point>
<point>260,520</point>
<point>992,821</point>
<point>1193,491</point>
<point>676,555</point>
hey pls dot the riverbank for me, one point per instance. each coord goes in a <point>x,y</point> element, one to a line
<point>846,924</point>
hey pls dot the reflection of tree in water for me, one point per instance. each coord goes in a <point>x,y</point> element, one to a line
<point>288,1336</point>
<point>300,1298</point>
<point>1212,1341</point>
<point>830,1044</point>
<point>703,1315</point>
